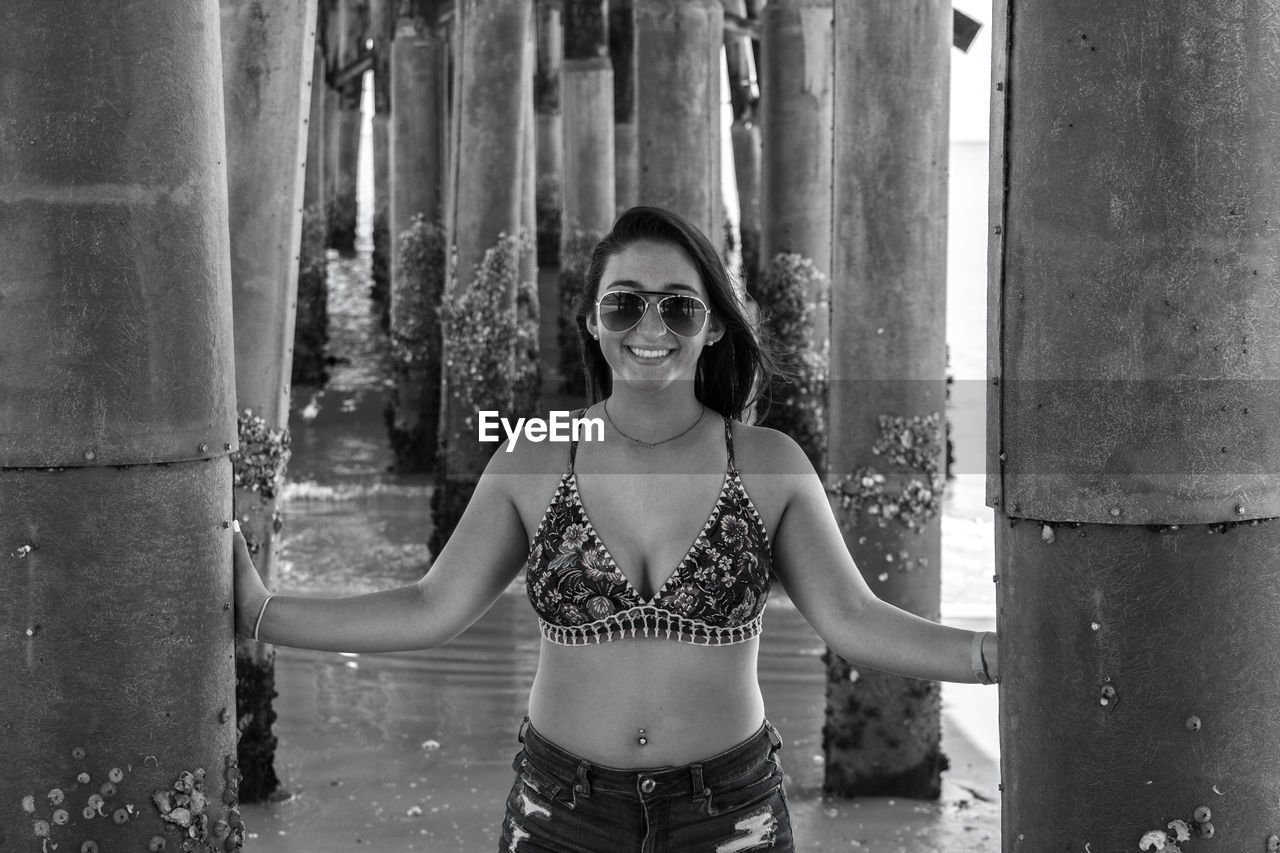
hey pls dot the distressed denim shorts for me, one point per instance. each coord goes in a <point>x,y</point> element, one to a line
<point>730,802</point>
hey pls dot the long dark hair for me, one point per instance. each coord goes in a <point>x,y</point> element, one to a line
<point>729,374</point>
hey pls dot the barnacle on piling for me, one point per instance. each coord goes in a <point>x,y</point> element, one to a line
<point>421,271</point>
<point>798,402</point>
<point>913,445</point>
<point>186,808</point>
<point>264,452</point>
<point>491,350</point>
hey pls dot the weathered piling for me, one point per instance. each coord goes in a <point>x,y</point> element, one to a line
<point>590,185</point>
<point>418,133</point>
<point>622,55</point>
<point>117,401</point>
<point>352,25</point>
<point>267,59</point>
<point>794,283</point>
<point>330,16</point>
<point>419,123</point>
<point>486,201</point>
<point>311,318</point>
<point>313,185</point>
<point>328,29</point>
<point>745,139</point>
<point>382,20</point>
<point>678,108</point>
<point>527,375</point>
<point>796,106</point>
<point>343,212</point>
<point>589,189</point>
<point>1133,423</point>
<point>549,126</point>
<point>332,124</point>
<point>888,369</point>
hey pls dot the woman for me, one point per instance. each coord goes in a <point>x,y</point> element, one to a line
<point>646,724</point>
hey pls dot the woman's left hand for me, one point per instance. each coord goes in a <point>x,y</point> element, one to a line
<point>250,591</point>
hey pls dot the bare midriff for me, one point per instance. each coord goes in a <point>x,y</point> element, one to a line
<point>692,701</point>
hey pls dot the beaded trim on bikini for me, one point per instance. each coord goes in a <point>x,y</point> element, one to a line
<point>650,621</point>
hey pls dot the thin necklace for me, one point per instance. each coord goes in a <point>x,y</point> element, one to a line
<point>635,442</point>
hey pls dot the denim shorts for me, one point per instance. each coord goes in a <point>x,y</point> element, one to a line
<point>733,801</point>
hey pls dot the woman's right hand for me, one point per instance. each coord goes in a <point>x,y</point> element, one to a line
<point>486,550</point>
<point>250,591</point>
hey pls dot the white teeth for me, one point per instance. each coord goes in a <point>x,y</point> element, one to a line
<point>648,353</point>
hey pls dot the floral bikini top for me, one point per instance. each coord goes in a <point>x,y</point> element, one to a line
<point>715,596</point>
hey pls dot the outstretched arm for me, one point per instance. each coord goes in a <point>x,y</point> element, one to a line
<point>484,554</point>
<point>818,573</point>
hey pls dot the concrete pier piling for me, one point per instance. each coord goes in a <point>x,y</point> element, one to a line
<point>419,122</point>
<point>1133,433</point>
<point>796,106</point>
<point>267,61</point>
<point>486,210</point>
<point>622,53</point>
<point>888,370</point>
<point>745,141</point>
<point>589,190</point>
<point>117,419</point>
<point>678,108</point>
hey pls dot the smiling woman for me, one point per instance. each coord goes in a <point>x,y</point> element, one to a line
<point>649,557</point>
<point>655,254</point>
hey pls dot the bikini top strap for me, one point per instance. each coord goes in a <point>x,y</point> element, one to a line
<point>728,443</point>
<point>573,441</point>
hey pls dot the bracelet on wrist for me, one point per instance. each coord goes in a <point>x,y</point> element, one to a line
<point>258,622</point>
<point>978,660</point>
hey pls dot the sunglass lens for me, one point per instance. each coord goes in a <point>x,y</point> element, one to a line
<point>619,310</point>
<point>683,315</point>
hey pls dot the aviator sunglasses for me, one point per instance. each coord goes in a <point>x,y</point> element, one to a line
<point>622,311</point>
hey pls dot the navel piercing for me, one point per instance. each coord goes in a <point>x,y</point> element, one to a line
<point>642,740</point>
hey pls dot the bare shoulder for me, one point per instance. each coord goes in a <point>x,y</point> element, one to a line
<point>774,469</point>
<point>763,450</point>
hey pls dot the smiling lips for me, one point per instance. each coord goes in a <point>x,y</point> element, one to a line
<point>648,353</point>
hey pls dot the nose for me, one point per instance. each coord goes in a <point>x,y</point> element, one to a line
<point>651,323</point>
